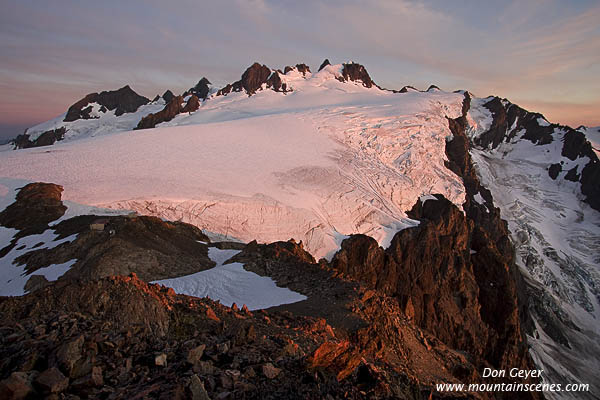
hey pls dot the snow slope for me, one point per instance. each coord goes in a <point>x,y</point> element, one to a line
<point>593,136</point>
<point>329,159</point>
<point>102,123</point>
<point>557,241</point>
<point>231,283</point>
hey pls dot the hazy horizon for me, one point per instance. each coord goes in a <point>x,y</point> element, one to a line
<point>543,55</point>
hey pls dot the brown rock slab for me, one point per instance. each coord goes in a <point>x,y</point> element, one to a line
<point>197,388</point>
<point>52,381</point>
<point>195,354</point>
<point>270,371</point>
<point>16,387</point>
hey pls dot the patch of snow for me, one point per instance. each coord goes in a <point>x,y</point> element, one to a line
<point>426,197</point>
<point>542,122</point>
<point>479,199</point>
<point>592,134</point>
<point>479,118</point>
<point>231,283</point>
<point>14,277</point>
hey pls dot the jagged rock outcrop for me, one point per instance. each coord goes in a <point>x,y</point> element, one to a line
<point>407,88</point>
<point>324,64</point>
<point>168,96</point>
<point>356,73</point>
<point>123,100</point>
<point>302,68</point>
<point>508,120</point>
<point>47,138</point>
<point>253,79</point>
<point>441,286</point>
<point>172,109</point>
<point>201,90</point>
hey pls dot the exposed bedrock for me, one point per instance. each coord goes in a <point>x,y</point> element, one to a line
<point>124,100</point>
<point>47,138</point>
<point>176,106</point>
<point>253,79</point>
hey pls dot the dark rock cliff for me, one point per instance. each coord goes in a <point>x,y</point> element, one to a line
<point>124,100</point>
<point>201,90</point>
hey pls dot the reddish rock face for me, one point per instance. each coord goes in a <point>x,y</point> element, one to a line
<point>171,110</point>
<point>36,205</point>
<point>124,100</point>
<point>356,72</point>
<point>253,79</point>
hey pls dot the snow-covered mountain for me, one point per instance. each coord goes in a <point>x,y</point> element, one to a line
<point>318,156</point>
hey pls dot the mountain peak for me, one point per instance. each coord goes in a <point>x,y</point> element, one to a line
<point>253,78</point>
<point>324,64</point>
<point>201,90</point>
<point>357,73</point>
<point>123,100</point>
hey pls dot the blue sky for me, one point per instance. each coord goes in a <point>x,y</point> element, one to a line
<point>542,54</point>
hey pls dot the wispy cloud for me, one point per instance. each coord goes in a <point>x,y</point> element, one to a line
<point>526,50</point>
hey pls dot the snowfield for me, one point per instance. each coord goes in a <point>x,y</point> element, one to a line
<point>231,283</point>
<point>324,161</point>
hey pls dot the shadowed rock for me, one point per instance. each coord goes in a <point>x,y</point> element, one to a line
<point>201,90</point>
<point>124,100</point>
<point>324,64</point>
<point>253,79</point>
<point>356,73</point>
<point>47,138</point>
<point>171,110</point>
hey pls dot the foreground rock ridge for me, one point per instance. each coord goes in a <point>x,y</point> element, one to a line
<point>95,335</point>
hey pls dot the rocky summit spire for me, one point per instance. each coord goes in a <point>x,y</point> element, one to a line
<point>324,64</point>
